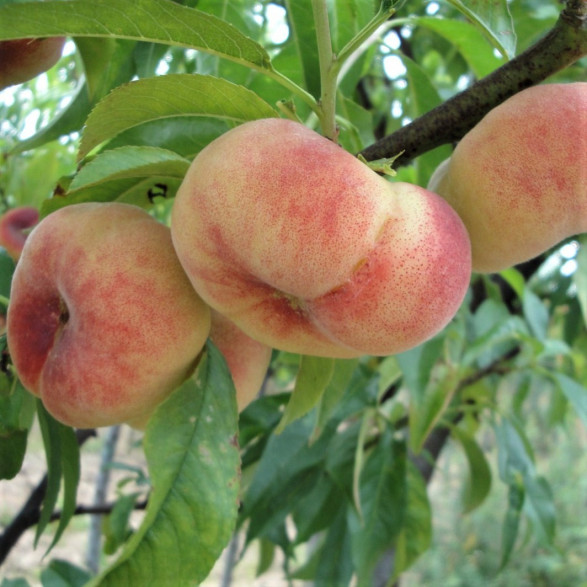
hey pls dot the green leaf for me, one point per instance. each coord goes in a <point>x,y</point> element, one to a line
<point>316,510</point>
<point>158,21</point>
<point>334,566</point>
<point>140,191</point>
<point>416,365</point>
<point>511,522</point>
<point>416,534</point>
<point>465,37</point>
<point>170,96</point>
<point>185,135</point>
<point>479,479</point>
<point>535,313</point>
<point>13,445</point>
<point>426,411</point>
<point>574,392</point>
<point>62,452</point>
<point>303,34</point>
<point>15,583</point>
<point>287,470</point>
<point>61,573</point>
<point>115,526</point>
<point>107,63</point>
<point>330,399</point>
<point>130,162</point>
<point>71,475</point>
<point>494,20</point>
<point>514,454</point>
<point>7,266</point>
<point>383,492</point>
<point>313,377</point>
<point>539,506</point>
<point>193,458</point>
<point>515,280</point>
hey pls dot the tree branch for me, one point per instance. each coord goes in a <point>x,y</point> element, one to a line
<point>562,46</point>
<point>30,512</point>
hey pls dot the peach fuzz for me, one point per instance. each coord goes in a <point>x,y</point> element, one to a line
<point>24,59</point>
<point>518,179</point>
<point>247,359</point>
<point>308,250</point>
<point>103,323</point>
<point>13,227</point>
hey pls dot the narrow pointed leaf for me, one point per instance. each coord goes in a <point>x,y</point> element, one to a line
<point>416,534</point>
<point>313,377</point>
<point>383,503</point>
<point>479,480</point>
<point>126,162</point>
<point>575,393</point>
<point>193,459</point>
<point>494,19</point>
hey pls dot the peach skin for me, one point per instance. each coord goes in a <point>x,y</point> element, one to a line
<point>103,323</point>
<point>308,250</point>
<point>518,179</point>
<point>13,228</point>
<point>247,359</point>
<point>24,59</point>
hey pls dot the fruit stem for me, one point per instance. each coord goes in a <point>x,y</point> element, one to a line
<point>328,70</point>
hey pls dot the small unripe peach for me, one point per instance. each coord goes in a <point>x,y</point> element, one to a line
<point>518,179</point>
<point>103,323</point>
<point>24,59</point>
<point>308,250</point>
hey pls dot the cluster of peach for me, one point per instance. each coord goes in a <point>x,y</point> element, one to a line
<point>281,239</point>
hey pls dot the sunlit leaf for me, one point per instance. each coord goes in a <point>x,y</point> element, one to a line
<point>313,377</point>
<point>465,37</point>
<point>170,96</point>
<point>494,20</point>
<point>159,21</point>
<point>126,162</point>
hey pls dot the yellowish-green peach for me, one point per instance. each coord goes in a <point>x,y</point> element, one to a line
<point>518,179</point>
<point>308,250</point>
<point>103,323</point>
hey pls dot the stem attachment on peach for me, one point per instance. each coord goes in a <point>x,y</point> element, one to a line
<point>382,166</point>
